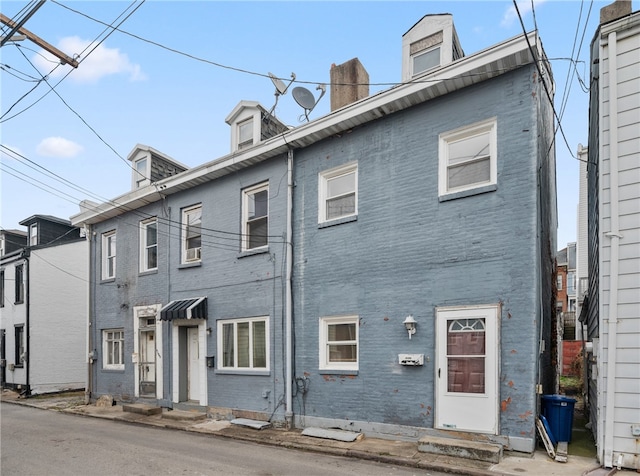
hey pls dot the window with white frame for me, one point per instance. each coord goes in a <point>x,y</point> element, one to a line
<point>425,60</point>
<point>255,216</point>
<point>1,287</point>
<point>109,255</point>
<point>113,349</point>
<point>245,134</point>
<point>559,282</point>
<point>191,234</point>
<point>338,193</point>
<point>468,157</point>
<point>142,172</point>
<point>339,343</point>
<point>149,245</point>
<point>33,234</point>
<point>243,344</point>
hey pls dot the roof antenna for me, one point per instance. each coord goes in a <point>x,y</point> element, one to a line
<point>281,89</point>
<point>305,99</point>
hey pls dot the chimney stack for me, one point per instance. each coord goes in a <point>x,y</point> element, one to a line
<point>349,83</point>
<point>617,9</point>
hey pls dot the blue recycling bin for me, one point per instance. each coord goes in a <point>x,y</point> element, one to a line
<point>558,410</point>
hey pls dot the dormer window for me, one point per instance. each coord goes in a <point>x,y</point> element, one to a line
<point>425,60</point>
<point>245,134</point>
<point>142,172</point>
<point>33,234</point>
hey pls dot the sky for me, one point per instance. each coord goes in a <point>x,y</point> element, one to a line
<point>173,70</point>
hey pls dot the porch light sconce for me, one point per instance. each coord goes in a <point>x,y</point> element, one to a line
<point>410,324</point>
<point>208,331</point>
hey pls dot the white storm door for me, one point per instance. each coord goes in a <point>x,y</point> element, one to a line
<point>193,364</point>
<point>467,369</point>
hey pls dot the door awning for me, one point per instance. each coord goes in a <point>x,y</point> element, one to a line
<point>194,308</point>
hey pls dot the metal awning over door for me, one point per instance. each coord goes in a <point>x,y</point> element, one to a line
<point>194,308</point>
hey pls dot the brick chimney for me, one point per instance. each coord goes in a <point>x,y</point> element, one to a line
<point>617,9</point>
<point>349,83</point>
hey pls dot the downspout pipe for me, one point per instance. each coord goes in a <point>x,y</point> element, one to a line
<point>89,340</point>
<point>27,337</point>
<point>288,297</point>
<point>614,236</point>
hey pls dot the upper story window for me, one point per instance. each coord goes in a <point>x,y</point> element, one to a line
<point>149,245</point>
<point>425,60</point>
<point>338,193</point>
<point>571,282</point>
<point>468,157</point>
<point>255,216</point>
<point>191,234</point>
<point>559,282</point>
<point>33,234</point>
<point>245,134</point>
<point>1,287</point>
<point>19,280</point>
<point>109,255</point>
<point>339,343</point>
<point>2,245</point>
<point>142,172</point>
<point>243,344</point>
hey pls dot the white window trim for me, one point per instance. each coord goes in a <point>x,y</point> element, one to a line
<point>245,214</point>
<point>324,363</point>
<point>33,237</point>
<point>466,132</point>
<point>185,213</point>
<point>144,180</point>
<point>235,322</point>
<point>247,143</point>
<point>105,350</point>
<point>105,255</point>
<point>144,224</point>
<point>323,178</point>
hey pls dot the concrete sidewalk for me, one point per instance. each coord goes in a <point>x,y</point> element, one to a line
<point>404,453</point>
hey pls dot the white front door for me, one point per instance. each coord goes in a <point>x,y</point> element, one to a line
<point>193,364</point>
<point>147,358</point>
<point>467,369</point>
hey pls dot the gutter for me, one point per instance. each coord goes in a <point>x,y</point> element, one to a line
<point>27,337</point>
<point>89,341</point>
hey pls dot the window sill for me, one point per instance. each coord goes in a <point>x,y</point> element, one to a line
<point>113,370</point>
<point>253,252</point>
<point>18,366</point>
<point>150,271</point>
<point>337,372</point>
<point>338,221</point>
<point>195,264</point>
<point>242,372</point>
<point>468,193</point>
<point>107,280</point>
<point>18,302</point>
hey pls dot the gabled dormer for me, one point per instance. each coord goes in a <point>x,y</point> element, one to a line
<point>12,240</point>
<point>250,124</point>
<point>49,230</point>
<point>150,165</point>
<point>429,44</point>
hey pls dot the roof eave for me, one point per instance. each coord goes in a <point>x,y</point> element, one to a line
<point>486,64</point>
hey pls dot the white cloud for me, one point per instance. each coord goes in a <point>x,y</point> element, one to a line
<point>58,147</point>
<point>511,15</point>
<point>94,64</point>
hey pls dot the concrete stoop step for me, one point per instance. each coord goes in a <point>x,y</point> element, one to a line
<point>481,451</point>
<point>184,415</point>
<point>141,409</point>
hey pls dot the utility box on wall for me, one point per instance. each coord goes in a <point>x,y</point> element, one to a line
<point>411,359</point>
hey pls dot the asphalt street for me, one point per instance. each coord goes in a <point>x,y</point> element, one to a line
<point>36,442</point>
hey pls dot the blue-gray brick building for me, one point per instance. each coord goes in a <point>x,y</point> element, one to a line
<point>385,268</point>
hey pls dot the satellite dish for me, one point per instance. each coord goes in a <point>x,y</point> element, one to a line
<point>305,98</point>
<point>277,82</point>
<point>281,88</point>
